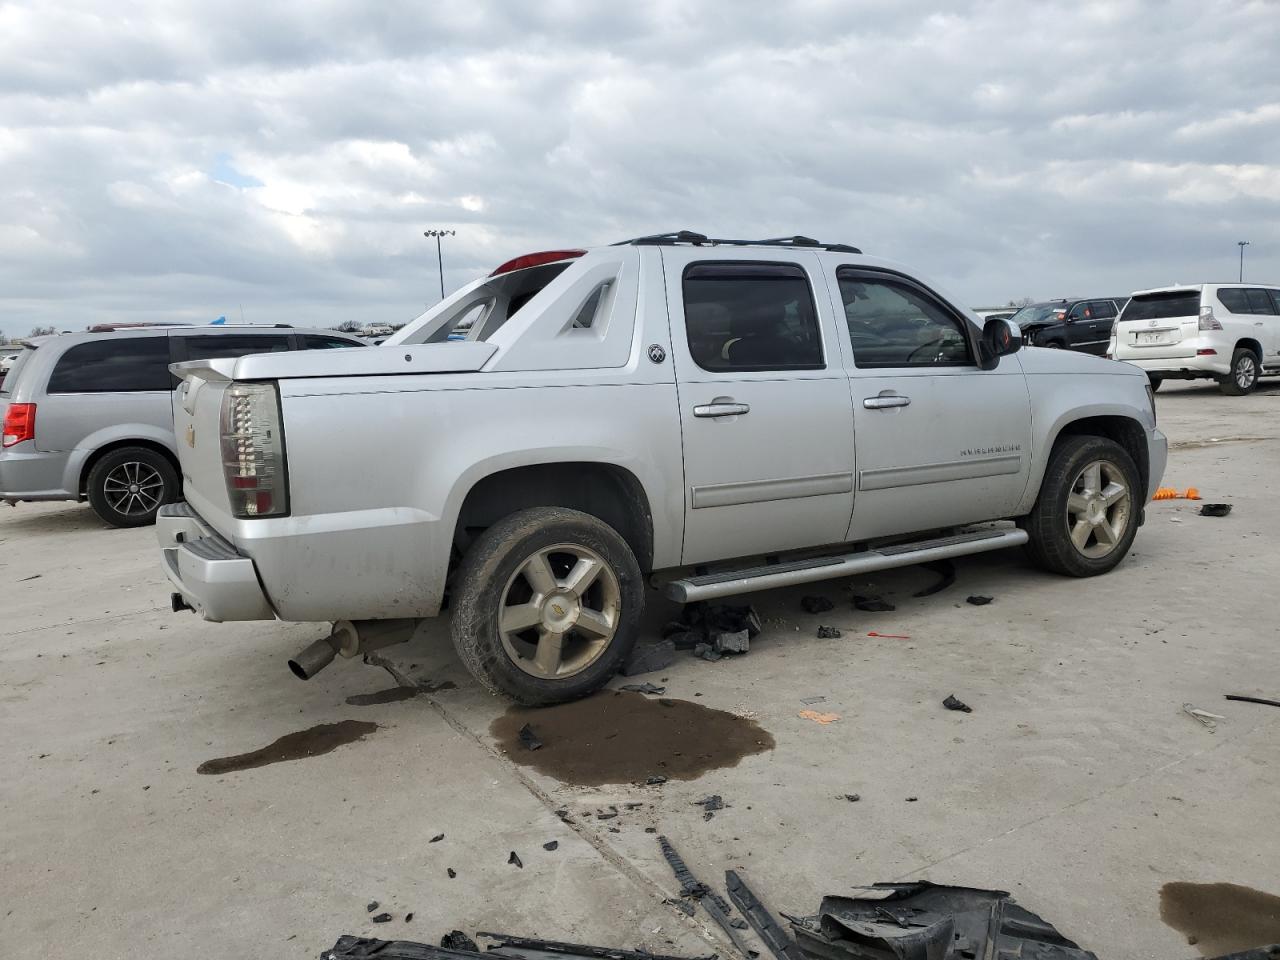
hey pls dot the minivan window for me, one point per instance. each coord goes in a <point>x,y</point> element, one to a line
<point>10,380</point>
<point>113,365</point>
<point>1163,306</point>
<point>213,346</point>
<point>746,315</point>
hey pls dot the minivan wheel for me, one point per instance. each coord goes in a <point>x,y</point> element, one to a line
<point>547,605</point>
<point>1244,373</point>
<point>129,485</point>
<point>1087,514</point>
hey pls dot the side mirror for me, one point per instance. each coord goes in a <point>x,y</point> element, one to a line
<point>999,339</point>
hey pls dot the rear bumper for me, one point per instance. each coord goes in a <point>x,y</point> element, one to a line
<point>1183,368</point>
<point>215,580</point>
<point>29,474</point>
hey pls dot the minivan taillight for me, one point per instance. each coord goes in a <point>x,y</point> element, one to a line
<point>1207,320</point>
<point>252,441</point>
<point>19,423</point>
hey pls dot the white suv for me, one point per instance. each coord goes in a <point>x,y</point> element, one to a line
<point>1227,331</point>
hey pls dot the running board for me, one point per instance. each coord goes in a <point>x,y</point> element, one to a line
<point>725,584</point>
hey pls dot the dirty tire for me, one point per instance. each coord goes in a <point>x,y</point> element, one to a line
<point>112,502</point>
<point>1244,373</point>
<point>1051,546</point>
<point>481,584</point>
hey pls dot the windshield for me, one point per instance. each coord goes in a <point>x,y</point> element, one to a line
<point>1163,306</point>
<point>1036,313</point>
<point>10,380</point>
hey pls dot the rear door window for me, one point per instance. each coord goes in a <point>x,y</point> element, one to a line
<point>1164,306</point>
<point>1260,302</point>
<point>1234,299</point>
<point>214,346</point>
<point>742,316</point>
<point>113,365</point>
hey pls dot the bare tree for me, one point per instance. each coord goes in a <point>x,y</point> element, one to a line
<point>1022,302</point>
<point>349,326</point>
<point>42,331</point>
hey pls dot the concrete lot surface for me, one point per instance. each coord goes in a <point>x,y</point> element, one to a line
<point>1078,783</point>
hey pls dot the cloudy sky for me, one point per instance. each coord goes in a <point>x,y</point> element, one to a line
<point>167,162</point>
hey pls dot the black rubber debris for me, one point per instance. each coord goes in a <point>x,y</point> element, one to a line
<point>872,604</point>
<point>528,738</point>
<point>687,907</point>
<point>829,633</point>
<point>762,922</point>
<point>1262,700</point>
<point>650,829</point>
<point>1214,509</point>
<point>514,859</point>
<point>853,797</point>
<point>551,845</point>
<point>707,652</point>
<point>437,838</point>
<point>737,642</point>
<point>382,918</point>
<point>649,688</point>
<point>606,816</point>
<point>689,885</point>
<point>711,803</point>
<point>655,781</point>
<point>408,917</point>
<point>457,940</point>
<point>816,604</point>
<point>946,571</point>
<point>738,924</point>
<point>451,872</point>
<point>978,601</point>
<point>912,799</point>
<point>952,703</point>
<point>509,946</point>
<point>373,905</point>
<point>649,657</point>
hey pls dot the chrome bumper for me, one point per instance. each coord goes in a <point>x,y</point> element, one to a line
<point>208,573</point>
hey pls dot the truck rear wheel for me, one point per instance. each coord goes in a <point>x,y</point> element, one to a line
<point>1086,516</point>
<point>547,605</point>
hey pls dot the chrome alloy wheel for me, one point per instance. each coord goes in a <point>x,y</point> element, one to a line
<point>1246,372</point>
<point>133,488</point>
<point>559,611</point>
<point>1098,509</point>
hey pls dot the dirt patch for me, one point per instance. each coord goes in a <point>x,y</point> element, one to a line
<point>622,737</point>
<point>1214,442</point>
<point>1221,917</point>
<point>390,695</point>
<point>313,742</point>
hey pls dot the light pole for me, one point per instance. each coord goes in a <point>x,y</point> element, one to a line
<point>1242,244</point>
<point>440,256</point>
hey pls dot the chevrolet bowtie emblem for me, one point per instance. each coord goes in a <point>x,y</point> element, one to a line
<point>559,610</point>
<point>191,435</point>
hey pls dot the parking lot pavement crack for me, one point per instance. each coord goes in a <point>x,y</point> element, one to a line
<point>1219,744</point>
<point>75,623</point>
<point>602,848</point>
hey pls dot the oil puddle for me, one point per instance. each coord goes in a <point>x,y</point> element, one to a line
<point>318,740</point>
<point>622,737</point>
<point>1221,917</point>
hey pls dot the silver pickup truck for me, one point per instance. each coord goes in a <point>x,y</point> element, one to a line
<point>708,416</point>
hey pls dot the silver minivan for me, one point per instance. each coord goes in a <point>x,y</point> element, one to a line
<point>87,416</point>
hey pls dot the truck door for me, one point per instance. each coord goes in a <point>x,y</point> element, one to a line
<point>940,443</point>
<point>765,411</point>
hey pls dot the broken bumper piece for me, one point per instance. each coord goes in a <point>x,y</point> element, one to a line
<point>358,948</point>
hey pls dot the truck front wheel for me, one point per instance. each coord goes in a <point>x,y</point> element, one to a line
<point>1086,516</point>
<point>547,605</point>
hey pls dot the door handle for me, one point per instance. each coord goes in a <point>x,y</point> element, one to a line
<point>721,407</point>
<point>884,401</point>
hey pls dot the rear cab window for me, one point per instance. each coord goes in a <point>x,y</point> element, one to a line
<point>1165,305</point>
<point>113,365</point>
<point>750,315</point>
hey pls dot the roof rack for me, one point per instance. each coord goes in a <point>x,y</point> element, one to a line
<point>702,240</point>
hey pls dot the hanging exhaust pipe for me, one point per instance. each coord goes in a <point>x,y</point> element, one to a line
<point>350,638</point>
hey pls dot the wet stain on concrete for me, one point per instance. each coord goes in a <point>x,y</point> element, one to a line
<point>1221,917</point>
<point>313,742</point>
<point>390,695</point>
<point>622,737</point>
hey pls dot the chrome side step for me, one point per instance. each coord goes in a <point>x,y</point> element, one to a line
<point>727,583</point>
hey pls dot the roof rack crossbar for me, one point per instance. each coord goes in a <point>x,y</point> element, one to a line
<point>701,240</point>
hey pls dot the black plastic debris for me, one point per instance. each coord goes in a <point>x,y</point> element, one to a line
<point>515,860</point>
<point>551,845</point>
<point>946,571</point>
<point>737,642</point>
<point>373,905</point>
<point>762,922</point>
<point>978,601</point>
<point>451,872</point>
<point>686,640</point>
<point>382,918</point>
<point>655,781</point>
<point>922,921</point>
<point>526,947</point>
<point>872,604</point>
<point>689,885</point>
<point>912,799</point>
<point>687,907</point>
<point>606,816</point>
<point>1239,698</point>
<point>457,940</point>
<point>852,797</point>
<point>829,633</point>
<point>649,657</point>
<point>529,739</point>
<point>408,917</point>
<point>649,688</point>
<point>816,604</point>
<point>951,703</point>
<point>710,805</point>
<point>737,923</point>
<point>437,838</point>
<point>692,888</point>
<point>1214,509</point>
<point>707,652</point>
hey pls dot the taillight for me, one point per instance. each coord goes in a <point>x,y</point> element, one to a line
<point>19,423</point>
<point>536,260</point>
<point>253,451</point>
<point>1207,320</point>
